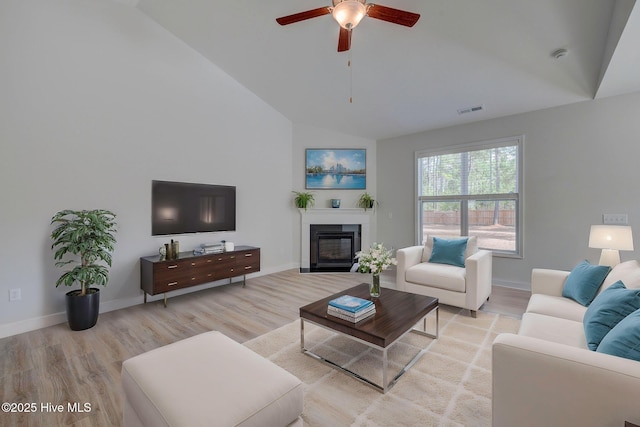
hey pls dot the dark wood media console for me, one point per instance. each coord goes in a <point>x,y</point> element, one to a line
<point>159,275</point>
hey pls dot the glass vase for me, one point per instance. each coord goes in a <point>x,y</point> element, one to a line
<point>374,286</point>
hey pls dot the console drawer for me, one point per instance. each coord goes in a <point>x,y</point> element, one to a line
<point>171,270</point>
<point>170,285</point>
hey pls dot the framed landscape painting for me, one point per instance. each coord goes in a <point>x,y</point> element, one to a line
<point>342,169</point>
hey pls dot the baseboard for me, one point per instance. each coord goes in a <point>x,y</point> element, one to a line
<point>35,323</point>
<point>27,325</point>
<point>15,328</point>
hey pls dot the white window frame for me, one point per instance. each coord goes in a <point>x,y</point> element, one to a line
<point>475,146</point>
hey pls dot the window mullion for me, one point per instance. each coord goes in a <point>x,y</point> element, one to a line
<point>464,217</point>
<point>507,196</point>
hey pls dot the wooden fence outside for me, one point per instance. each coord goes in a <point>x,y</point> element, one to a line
<point>476,217</point>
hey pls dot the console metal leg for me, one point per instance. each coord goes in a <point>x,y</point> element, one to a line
<point>165,300</point>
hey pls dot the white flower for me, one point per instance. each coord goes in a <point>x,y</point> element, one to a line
<point>376,260</point>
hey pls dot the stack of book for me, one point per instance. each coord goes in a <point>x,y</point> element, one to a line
<point>214,248</point>
<point>350,308</point>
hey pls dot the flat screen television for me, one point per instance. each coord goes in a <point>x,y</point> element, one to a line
<point>180,208</point>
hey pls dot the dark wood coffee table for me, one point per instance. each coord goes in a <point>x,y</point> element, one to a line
<point>397,313</point>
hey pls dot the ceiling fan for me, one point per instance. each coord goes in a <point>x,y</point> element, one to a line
<point>349,13</point>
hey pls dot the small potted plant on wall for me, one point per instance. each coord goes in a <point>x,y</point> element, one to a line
<point>303,200</point>
<point>87,235</point>
<point>366,201</point>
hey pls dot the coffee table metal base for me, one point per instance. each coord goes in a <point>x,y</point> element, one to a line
<point>386,385</point>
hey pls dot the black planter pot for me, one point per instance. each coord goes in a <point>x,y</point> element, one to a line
<point>82,311</point>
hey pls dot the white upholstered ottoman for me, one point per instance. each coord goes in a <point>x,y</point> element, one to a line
<point>208,380</point>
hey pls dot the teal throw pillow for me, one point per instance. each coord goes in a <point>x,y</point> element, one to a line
<point>607,310</point>
<point>624,338</point>
<point>449,251</point>
<point>583,282</point>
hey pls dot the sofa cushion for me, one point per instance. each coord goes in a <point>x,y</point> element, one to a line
<point>442,276</point>
<point>628,272</point>
<point>583,282</point>
<point>554,329</point>
<point>472,246</point>
<point>561,307</point>
<point>624,339</point>
<point>448,251</point>
<point>607,310</point>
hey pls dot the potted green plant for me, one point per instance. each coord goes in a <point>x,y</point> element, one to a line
<point>88,235</point>
<point>303,200</point>
<point>366,201</point>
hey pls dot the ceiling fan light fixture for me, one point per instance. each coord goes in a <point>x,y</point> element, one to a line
<point>349,13</point>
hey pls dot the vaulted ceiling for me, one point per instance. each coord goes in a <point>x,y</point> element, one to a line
<point>461,53</point>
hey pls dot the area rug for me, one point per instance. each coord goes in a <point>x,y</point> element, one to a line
<point>449,386</point>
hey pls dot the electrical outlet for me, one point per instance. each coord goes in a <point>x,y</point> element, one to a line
<point>615,219</point>
<point>15,294</point>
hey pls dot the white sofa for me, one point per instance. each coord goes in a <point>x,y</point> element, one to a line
<point>546,376</point>
<point>467,287</point>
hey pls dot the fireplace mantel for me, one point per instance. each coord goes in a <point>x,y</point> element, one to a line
<point>331,216</point>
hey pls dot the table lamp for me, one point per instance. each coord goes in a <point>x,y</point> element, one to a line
<point>611,239</point>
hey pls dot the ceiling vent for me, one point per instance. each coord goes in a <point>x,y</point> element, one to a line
<point>557,54</point>
<point>471,109</point>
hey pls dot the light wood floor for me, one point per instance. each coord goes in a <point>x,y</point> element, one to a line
<point>58,366</point>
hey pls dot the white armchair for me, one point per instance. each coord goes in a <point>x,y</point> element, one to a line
<point>465,287</point>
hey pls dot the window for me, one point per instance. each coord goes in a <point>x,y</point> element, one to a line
<point>473,190</point>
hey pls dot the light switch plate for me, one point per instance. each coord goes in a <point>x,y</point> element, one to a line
<point>615,219</point>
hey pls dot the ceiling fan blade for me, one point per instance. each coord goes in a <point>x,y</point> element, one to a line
<point>297,17</point>
<point>396,16</point>
<point>344,40</point>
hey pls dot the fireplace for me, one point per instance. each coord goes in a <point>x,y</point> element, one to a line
<point>357,221</point>
<point>332,247</point>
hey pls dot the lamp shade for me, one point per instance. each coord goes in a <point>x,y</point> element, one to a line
<point>349,13</point>
<point>611,237</point>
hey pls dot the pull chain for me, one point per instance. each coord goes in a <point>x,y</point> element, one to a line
<point>350,78</point>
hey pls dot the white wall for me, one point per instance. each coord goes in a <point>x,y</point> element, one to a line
<point>305,136</point>
<point>97,101</point>
<point>580,161</point>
